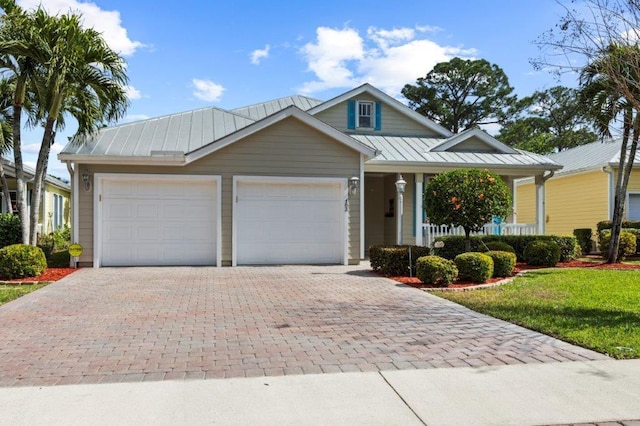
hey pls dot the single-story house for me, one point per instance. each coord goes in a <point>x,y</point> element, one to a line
<point>292,180</point>
<point>582,193</point>
<point>56,198</point>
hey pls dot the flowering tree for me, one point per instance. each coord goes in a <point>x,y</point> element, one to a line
<point>467,197</point>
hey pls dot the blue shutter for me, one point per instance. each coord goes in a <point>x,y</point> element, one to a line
<point>351,115</point>
<point>378,116</point>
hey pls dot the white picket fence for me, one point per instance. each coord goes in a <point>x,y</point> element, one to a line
<point>431,232</point>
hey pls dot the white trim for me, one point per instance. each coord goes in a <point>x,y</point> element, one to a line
<point>611,192</point>
<point>480,134</point>
<point>372,115</point>
<point>387,100</point>
<point>286,179</point>
<point>514,201</point>
<point>418,195</point>
<point>362,209</point>
<point>75,210</point>
<point>98,183</point>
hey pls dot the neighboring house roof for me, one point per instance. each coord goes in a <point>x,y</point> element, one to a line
<point>10,170</point>
<point>595,155</point>
<point>182,138</point>
<point>261,110</point>
<point>388,100</point>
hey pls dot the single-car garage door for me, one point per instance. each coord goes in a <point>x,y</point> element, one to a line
<point>157,220</point>
<point>289,222</point>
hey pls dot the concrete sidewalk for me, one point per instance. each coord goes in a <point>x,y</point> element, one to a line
<point>533,394</point>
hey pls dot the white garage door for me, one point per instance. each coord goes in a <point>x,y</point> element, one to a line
<point>289,223</point>
<point>158,221</point>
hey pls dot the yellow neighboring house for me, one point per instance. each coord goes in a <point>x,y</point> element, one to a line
<point>55,207</point>
<point>582,193</point>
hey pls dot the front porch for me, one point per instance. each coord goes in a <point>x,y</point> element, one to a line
<point>388,222</point>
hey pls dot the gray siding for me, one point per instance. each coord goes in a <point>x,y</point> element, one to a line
<point>288,148</point>
<point>393,122</point>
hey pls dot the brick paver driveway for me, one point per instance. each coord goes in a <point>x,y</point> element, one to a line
<point>132,324</point>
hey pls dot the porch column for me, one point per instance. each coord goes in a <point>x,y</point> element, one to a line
<point>419,179</point>
<point>540,205</point>
<point>514,200</point>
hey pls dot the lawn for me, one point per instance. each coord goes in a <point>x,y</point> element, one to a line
<point>594,308</point>
<point>11,292</point>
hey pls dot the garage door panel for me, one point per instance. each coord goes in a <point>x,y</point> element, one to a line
<point>289,223</point>
<point>138,229</point>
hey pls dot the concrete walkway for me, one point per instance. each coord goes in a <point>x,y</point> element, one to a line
<point>540,394</point>
<point>148,324</point>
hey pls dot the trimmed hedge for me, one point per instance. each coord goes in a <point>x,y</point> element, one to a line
<point>504,263</point>
<point>454,245</point>
<point>497,246</point>
<point>628,243</point>
<point>584,236</point>
<point>474,266</point>
<point>542,253</point>
<point>607,232</point>
<point>20,261</point>
<point>436,270</point>
<point>10,229</point>
<point>394,260</point>
<point>59,259</point>
<point>607,224</point>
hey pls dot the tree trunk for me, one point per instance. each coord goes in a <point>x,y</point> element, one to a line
<point>38,181</point>
<point>467,240</point>
<point>21,193</point>
<point>5,189</point>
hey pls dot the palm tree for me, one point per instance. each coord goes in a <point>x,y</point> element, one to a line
<point>606,102</point>
<point>6,136</point>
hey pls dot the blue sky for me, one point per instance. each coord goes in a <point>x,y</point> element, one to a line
<point>183,56</point>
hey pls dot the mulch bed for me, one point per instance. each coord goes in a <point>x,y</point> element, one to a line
<point>50,275</point>
<point>416,283</point>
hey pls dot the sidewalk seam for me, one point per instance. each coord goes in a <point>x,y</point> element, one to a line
<point>402,399</point>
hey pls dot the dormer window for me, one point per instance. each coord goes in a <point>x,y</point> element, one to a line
<point>364,115</point>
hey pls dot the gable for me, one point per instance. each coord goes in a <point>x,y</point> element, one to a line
<point>473,144</point>
<point>474,140</point>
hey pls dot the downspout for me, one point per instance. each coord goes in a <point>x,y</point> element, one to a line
<point>610,190</point>
<point>541,209</point>
<point>74,202</point>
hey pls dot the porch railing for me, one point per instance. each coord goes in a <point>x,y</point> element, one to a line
<point>431,232</point>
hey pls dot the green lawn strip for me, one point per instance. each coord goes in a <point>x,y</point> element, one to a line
<point>596,309</point>
<point>11,292</point>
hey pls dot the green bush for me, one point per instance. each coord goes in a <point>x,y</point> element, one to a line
<point>497,246</point>
<point>542,253</point>
<point>436,270</point>
<point>504,262</point>
<point>454,245</point>
<point>394,260</point>
<point>47,244</point>
<point>583,236</point>
<point>10,229</point>
<point>607,224</point>
<point>477,267</point>
<point>20,261</point>
<point>59,259</point>
<point>627,246</point>
<point>61,238</point>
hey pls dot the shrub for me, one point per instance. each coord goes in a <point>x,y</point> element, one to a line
<point>583,236</point>
<point>542,253</point>
<point>61,238</point>
<point>627,246</point>
<point>394,260</point>
<point>10,229</point>
<point>21,260</point>
<point>477,267</point>
<point>628,224</point>
<point>436,270</point>
<point>47,244</point>
<point>504,262</point>
<point>497,246</point>
<point>59,259</point>
<point>454,245</point>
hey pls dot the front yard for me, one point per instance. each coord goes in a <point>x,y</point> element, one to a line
<point>9,292</point>
<point>594,308</point>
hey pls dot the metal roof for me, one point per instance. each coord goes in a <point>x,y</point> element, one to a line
<point>395,149</point>
<point>9,169</point>
<point>591,156</point>
<point>177,133</point>
<point>264,109</point>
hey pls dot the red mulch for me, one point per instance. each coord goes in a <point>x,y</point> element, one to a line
<point>51,274</point>
<point>416,283</point>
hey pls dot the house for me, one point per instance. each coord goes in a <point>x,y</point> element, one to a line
<point>582,193</point>
<point>56,199</point>
<point>292,180</point>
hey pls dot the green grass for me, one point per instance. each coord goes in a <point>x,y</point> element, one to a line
<point>596,309</point>
<point>11,292</point>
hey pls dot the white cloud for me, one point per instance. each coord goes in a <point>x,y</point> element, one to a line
<point>207,90</point>
<point>132,93</point>
<point>130,118</point>
<point>260,54</point>
<point>34,148</point>
<point>388,59</point>
<point>107,22</point>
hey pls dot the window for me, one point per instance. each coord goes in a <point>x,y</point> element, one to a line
<point>58,202</point>
<point>633,206</point>
<point>365,115</point>
<point>14,202</point>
